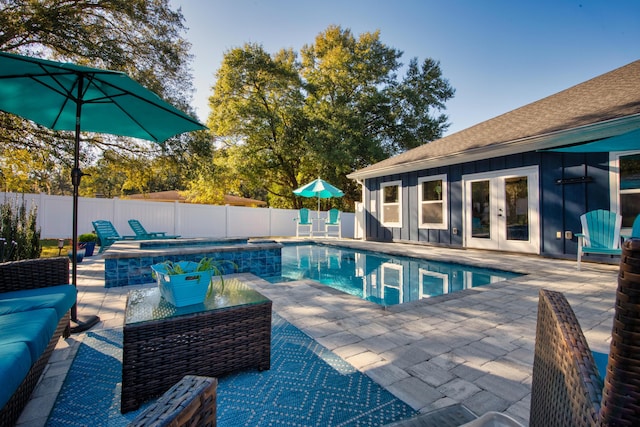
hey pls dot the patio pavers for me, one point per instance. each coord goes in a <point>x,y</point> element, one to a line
<point>473,347</point>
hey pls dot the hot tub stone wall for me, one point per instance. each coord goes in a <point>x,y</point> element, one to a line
<point>136,271</point>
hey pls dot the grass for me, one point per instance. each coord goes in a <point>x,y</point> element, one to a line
<point>50,248</point>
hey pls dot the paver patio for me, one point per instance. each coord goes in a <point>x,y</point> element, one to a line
<point>473,347</point>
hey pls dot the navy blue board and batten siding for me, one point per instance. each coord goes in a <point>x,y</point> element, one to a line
<point>560,202</point>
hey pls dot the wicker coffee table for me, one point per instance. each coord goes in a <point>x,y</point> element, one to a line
<point>163,343</point>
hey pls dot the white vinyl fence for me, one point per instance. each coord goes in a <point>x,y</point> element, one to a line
<point>187,220</point>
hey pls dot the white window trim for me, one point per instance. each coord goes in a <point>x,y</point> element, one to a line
<point>614,180</point>
<point>441,276</point>
<point>445,203</point>
<point>383,185</point>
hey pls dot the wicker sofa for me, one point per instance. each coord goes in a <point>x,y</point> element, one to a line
<point>35,303</point>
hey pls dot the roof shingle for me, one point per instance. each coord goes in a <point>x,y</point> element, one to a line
<point>609,96</point>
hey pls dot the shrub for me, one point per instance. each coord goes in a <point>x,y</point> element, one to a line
<point>87,237</point>
<point>16,225</point>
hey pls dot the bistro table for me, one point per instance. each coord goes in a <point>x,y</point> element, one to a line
<point>162,343</point>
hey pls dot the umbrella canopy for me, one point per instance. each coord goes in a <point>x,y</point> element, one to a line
<point>318,188</point>
<point>51,93</point>
<point>64,96</point>
<point>623,142</point>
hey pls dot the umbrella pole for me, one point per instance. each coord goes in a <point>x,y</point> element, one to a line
<point>76,175</point>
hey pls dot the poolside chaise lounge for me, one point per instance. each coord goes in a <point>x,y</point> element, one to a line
<point>35,303</point>
<point>107,234</point>
<point>142,233</point>
<point>567,387</point>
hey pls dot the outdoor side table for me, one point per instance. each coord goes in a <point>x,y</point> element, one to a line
<point>162,343</point>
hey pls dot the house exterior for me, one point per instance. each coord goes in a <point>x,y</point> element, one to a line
<point>498,185</point>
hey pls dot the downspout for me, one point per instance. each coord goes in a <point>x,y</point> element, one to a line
<point>361,233</point>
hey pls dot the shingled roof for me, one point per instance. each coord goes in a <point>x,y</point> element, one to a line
<point>603,103</point>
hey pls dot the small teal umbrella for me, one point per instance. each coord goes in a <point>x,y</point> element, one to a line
<point>318,188</point>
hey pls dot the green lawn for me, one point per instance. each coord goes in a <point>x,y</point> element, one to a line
<point>50,247</point>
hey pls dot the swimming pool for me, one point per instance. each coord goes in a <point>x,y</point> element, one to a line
<point>381,278</point>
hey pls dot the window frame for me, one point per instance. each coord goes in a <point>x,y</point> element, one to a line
<point>444,200</point>
<point>383,204</point>
<point>615,180</point>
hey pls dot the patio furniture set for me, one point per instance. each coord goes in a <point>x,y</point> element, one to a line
<point>176,352</point>
<point>325,227</point>
<point>229,331</point>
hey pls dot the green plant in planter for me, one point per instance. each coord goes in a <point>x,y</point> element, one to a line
<point>87,241</point>
<point>205,264</point>
<point>87,237</point>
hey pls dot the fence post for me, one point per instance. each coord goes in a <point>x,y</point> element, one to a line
<point>226,220</point>
<point>177,218</point>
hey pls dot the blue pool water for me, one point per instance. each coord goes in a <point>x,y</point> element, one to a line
<point>380,278</point>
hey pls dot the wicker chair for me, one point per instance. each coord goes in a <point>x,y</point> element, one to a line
<point>566,387</point>
<point>191,402</point>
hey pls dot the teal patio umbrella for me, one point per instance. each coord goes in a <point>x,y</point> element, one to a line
<point>318,188</point>
<point>70,97</point>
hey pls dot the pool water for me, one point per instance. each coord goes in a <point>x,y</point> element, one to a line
<point>381,278</point>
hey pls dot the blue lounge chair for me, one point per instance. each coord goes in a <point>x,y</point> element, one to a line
<point>304,221</point>
<point>142,234</point>
<point>600,234</point>
<point>107,234</point>
<point>333,222</point>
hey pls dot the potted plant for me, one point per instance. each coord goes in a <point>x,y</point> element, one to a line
<point>186,282</point>
<point>87,241</point>
<point>80,252</point>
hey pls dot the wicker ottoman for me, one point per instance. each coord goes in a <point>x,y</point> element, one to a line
<point>163,343</point>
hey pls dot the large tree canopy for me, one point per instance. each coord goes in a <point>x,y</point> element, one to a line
<point>140,37</point>
<point>336,107</point>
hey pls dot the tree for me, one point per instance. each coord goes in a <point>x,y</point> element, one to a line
<point>415,102</point>
<point>257,110</point>
<point>141,37</point>
<point>339,108</point>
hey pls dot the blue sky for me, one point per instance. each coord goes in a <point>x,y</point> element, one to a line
<point>498,54</point>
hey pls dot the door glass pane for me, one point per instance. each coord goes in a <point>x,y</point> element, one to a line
<point>629,188</point>
<point>630,172</point>
<point>630,208</point>
<point>480,219</point>
<point>516,208</point>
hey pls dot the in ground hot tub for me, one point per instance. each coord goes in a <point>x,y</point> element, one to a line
<point>129,262</point>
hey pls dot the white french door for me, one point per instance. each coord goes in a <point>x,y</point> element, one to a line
<point>501,210</point>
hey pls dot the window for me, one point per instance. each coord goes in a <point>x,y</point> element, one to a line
<point>432,202</point>
<point>629,188</point>
<point>391,204</point>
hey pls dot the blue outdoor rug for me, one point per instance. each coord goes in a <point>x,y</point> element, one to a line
<point>307,385</point>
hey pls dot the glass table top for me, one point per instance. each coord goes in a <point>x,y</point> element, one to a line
<point>145,305</point>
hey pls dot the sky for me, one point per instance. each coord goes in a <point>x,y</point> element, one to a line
<point>497,54</point>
